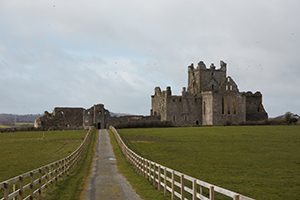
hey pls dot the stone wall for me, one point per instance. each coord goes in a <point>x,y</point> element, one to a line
<point>254,108</point>
<point>61,117</point>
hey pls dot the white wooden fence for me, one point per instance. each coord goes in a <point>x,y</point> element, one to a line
<point>176,183</point>
<point>43,177</point>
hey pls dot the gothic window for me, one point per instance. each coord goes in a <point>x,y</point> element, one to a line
<point>204,108</point>
<point>223,105</point>
<point>88,113</point>
<point>234,106</point>
<point>229,106</point>
<point>231,87</point>
<point>179,99</point>
<point>212,86</point>
<point>228,79</point>
<point>226,87</point>
<point>100,112</point>
<point>174,118</point>
<point>185,118</point>
<point>212,74</point>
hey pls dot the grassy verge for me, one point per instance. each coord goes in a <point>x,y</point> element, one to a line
<point>141,185</point>
<point>24,151</point>
<point>71,187</point>
<point>4,126</point>
<point>261,162</point>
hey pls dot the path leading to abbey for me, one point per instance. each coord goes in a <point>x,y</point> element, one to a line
<point>105,182</point>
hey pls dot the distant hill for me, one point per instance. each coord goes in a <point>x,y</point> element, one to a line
<point>18,118</point>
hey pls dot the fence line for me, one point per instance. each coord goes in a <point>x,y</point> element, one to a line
<point>179,185</point>
<point>48,174</point>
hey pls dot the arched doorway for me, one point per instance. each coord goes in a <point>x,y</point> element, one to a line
<point>99,126</point>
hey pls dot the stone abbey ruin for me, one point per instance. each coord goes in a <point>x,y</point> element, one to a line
<point>211,98</point>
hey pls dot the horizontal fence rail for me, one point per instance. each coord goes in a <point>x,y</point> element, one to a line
<point>30,184</point>
<point>179,185</point>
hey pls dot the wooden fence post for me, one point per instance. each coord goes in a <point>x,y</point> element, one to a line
<point>236,197</point>
<point>173,184</point>
<point>158,178</point>
<point>165,182</point>
<point>154,174</point>
<point>51,175</point>
<point>31,185</point>
<point>56,173</point>
<point>40,183</point>
<point>212,193</point>
<point>6,190</point>
<point>149,170</point>
<point>201,189</point>
<point>21,188</point>
<point>182,187</point>
<point>195,190</point>
<point>47,179</point>
<point>14,189</point>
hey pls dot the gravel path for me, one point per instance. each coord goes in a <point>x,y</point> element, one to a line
<point>105,182</point>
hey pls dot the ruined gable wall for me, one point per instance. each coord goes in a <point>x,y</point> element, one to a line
<point>158,101</point>
<point>184,110</point>
<point>61,117</point>
<point>229,108</point>
<point>254,108</point>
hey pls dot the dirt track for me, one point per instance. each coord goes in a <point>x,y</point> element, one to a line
<point>105,182</point>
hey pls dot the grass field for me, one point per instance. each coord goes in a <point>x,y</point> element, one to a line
<point>4,126</point>
<point>262,162</point>
<point>24,151</point>
<point>71,187</point>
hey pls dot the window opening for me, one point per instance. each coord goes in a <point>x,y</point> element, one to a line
<point>223,105</point>
<point>179,99</point>
<point>231,87</point>
<point>212,74</point>
<point>100,112</point>
<point>212,86</point>
<point>226,87</point>
<point>174,118</point>
<point>235,106</point>
<point>204,108</point>
<point>185,118</point>
<point>228,106</point>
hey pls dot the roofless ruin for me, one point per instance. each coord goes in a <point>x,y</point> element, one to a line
<point>211,98</point>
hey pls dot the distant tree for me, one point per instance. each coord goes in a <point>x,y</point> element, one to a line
<point>290,118</point>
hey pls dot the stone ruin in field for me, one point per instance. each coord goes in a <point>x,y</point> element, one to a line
<point>211,98</point>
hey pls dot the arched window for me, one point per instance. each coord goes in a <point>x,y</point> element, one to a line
<point>212,86</point>
<point>174,118</point>
<point>223,105</point>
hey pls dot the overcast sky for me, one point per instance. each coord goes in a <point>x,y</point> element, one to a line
<point>77,53</point>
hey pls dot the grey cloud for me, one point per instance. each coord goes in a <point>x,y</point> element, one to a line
<point>84,52</point>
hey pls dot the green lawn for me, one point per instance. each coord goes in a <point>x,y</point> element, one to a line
<point>3,126</point>
<point>71,188</point>
<point>262,162</point>
<point>24,151</point>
